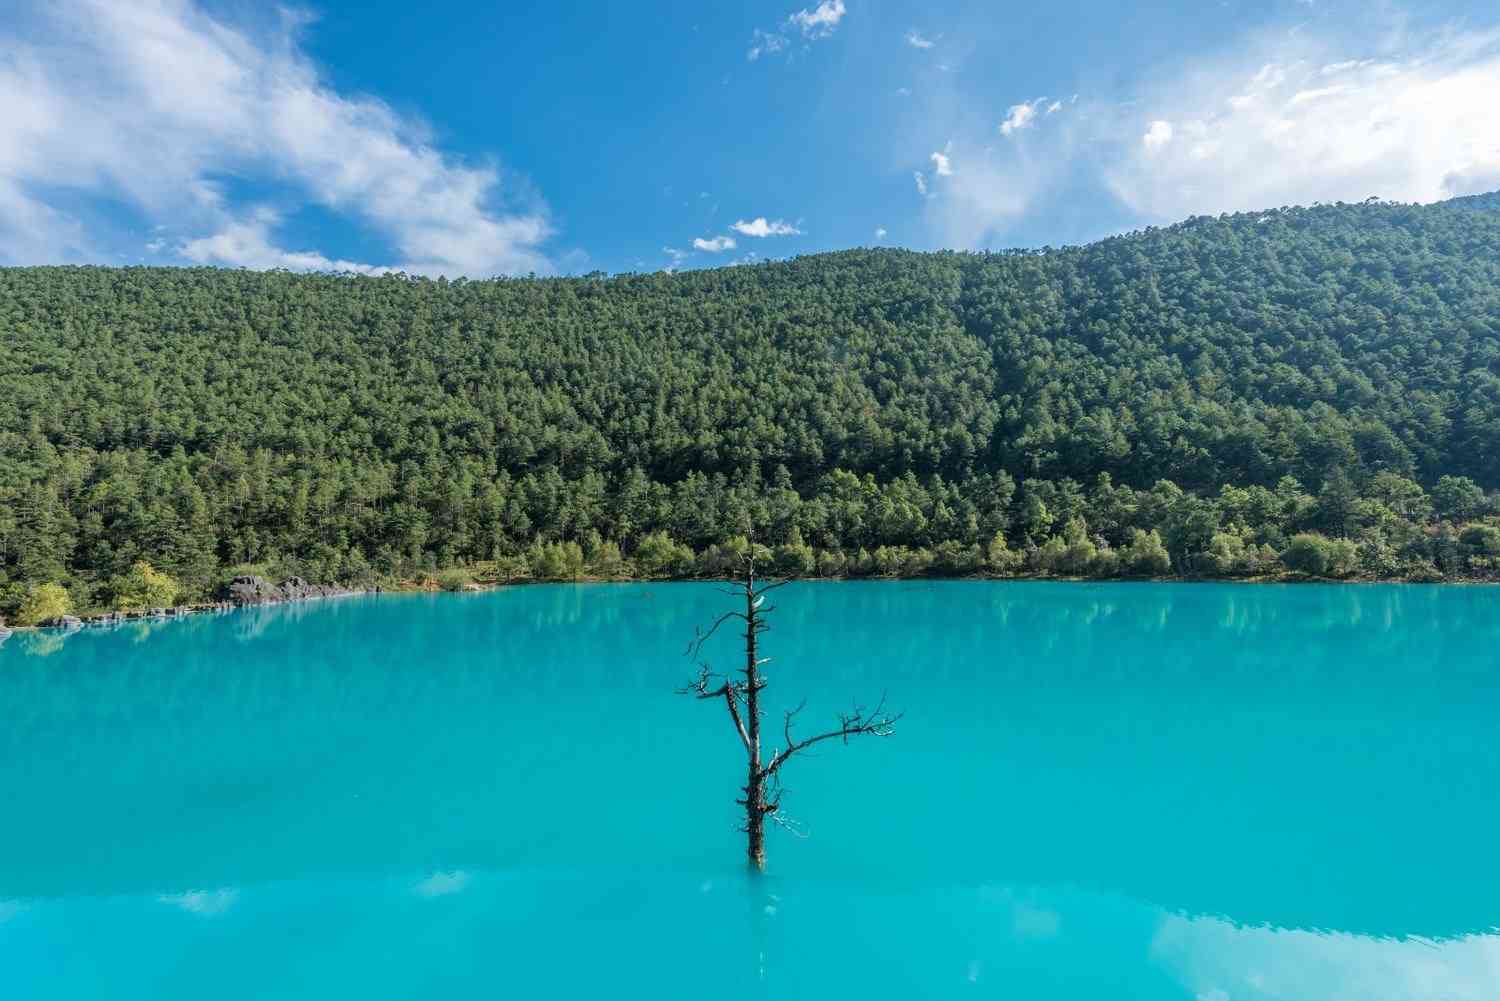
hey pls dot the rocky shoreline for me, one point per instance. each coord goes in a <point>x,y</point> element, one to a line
<point>241,592</point>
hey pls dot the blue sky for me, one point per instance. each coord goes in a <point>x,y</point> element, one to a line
<point>480,139</point>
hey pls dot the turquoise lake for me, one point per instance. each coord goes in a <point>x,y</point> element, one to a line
<point>1099,791</point>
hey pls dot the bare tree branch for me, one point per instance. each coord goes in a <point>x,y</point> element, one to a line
<point>703,637</point>
<point>857,722</point>
<point>730,691</point>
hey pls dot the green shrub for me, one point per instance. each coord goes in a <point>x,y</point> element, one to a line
<point>916,562</point>
<point>1308,553</point>
<point>44,603</point>
<point>1225,556</point>
<point>1343,557</point>
<point>889,560</point>
<point>1146,556</point>
<point>145,587</point>
<point>795,560</point>
<point>1078,558</point>
<point>556,561</point>
<point>832,563</point>
<point>1001,558</point>
<point>1481,540</point>
<point>605,559</point>
<point>957,559</point>
<point>657,555</point>
<point>1106,563</point>
<point>1049,555</point>
<point>455,580</point>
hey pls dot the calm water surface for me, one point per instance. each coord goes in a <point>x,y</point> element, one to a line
<point>1099,791</point>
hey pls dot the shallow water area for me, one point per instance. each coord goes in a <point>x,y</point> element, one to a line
<point>1203,792</point>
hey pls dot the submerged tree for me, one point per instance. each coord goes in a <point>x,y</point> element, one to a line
<point>742,696</point>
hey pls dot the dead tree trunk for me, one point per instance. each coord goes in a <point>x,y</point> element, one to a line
<point>755,785</point>
<point>762,790</point>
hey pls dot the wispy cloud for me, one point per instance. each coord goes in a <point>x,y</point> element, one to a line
<point>921,181</point>
<point>941,165</point>
<point>759,226</point>
<point>992,190</point>
<point>1020,116</point>
<point>812,23</point>
<point>765,43</point>
<point>880,232</point>
<point>151,104</point>
<point>917,40</point>
<point>714,245</point>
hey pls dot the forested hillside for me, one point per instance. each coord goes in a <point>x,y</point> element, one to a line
<point>1225,384</point>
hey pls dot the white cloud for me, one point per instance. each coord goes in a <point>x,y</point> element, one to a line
<point>676,256</point>
<point>1411,120</point>
<point>151,104</point>
<point>921,182</point>
<point>915,39</point>
<point>880,232</point>
<point>1158,135</point>
<point>760,227</point>
<point>813,23</point>
<point>765,43</point>
<point>819,21</point>
<point>1020,116</point>
<point>941,165</point>
<point>903,91</point>
<point>205,903</point>
<point>442,884</point>
<point>1258,133</point>
<point>246,242</point>
<point>714,245</point>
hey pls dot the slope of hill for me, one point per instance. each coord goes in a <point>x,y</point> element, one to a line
<point>1225,382</point>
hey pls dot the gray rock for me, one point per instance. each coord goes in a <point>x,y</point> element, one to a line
<point>259,591</point>
<point>253,591</point>
<point>70,622</point>
<point>298,589</point>
<point>5,634</point>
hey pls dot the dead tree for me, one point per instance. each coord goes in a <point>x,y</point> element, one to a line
<point>742,696</point>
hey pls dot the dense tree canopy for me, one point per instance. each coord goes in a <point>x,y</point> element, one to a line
<point>1197,395</point>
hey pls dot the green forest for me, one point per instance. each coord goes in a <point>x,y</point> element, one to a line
<point>1310,391</point>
